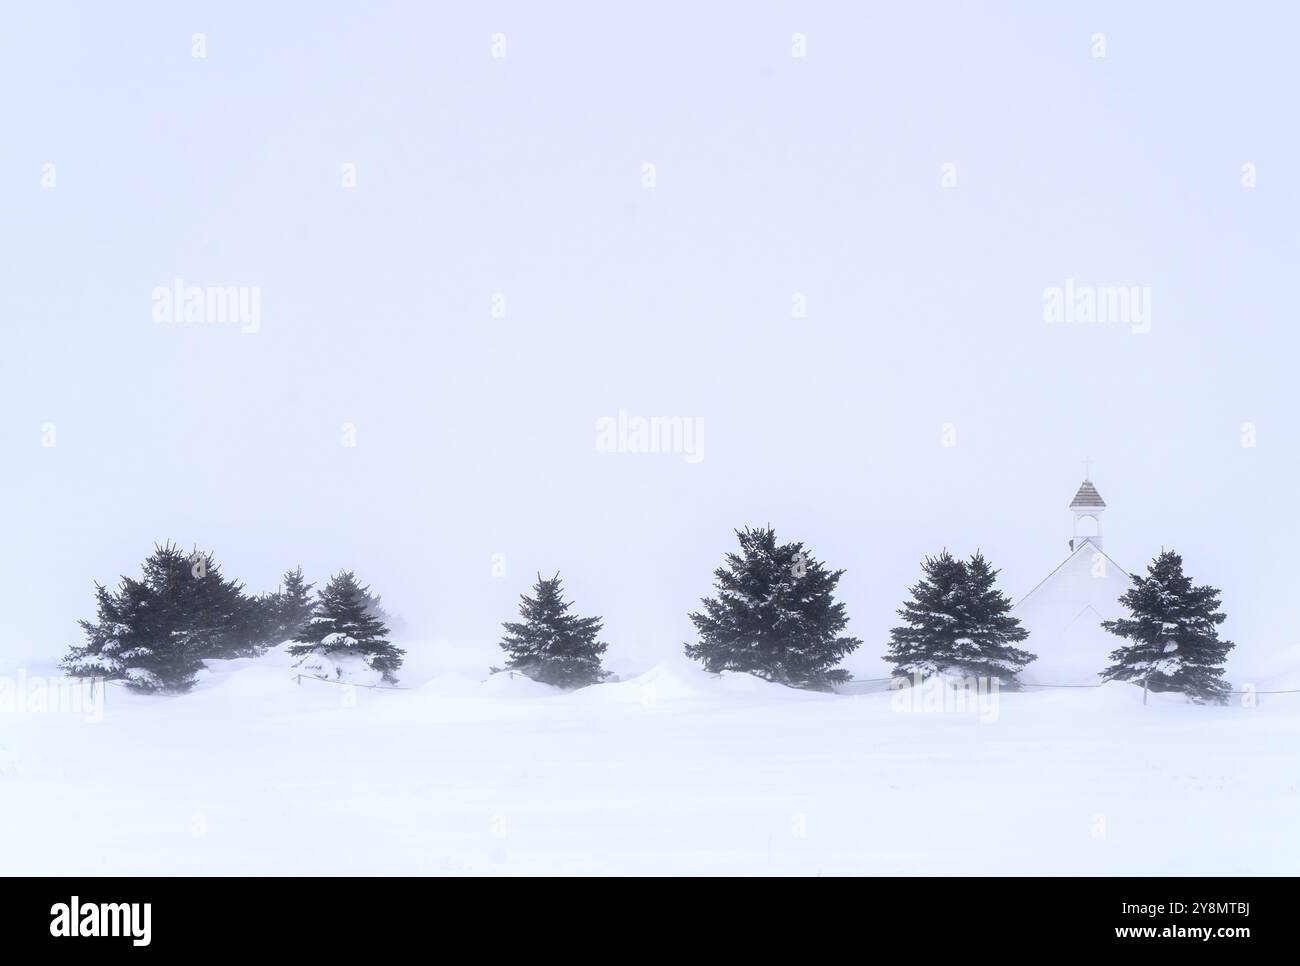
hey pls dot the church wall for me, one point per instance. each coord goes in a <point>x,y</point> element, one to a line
<point>1062,616</point>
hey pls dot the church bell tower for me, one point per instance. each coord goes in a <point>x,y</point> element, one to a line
<point>1087,507</point>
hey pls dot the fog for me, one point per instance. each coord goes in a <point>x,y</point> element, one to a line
<point>836,268</point>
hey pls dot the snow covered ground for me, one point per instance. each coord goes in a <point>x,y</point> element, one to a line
<point>667,771</point>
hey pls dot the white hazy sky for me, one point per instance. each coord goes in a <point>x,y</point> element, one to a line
<point>522,175</point>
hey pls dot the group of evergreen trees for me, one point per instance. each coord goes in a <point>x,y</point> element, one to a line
<point>774,616</point>
<point>154,632</point>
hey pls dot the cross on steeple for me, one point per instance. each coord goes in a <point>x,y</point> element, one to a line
<point>1087,468</point>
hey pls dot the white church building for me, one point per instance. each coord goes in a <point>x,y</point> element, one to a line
<point>1064,612</point>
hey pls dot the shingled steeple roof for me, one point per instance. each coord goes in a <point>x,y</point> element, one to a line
<point>1087,497</point>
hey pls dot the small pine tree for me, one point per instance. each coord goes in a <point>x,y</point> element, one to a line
<point>145,634</point>
<point>290,608</point>
<point>551,645</point>
<point>929,640</point>
<point>990,630</point>
<point>341,624</point>
<point>775,616</point>
<point>1173,633</point>
<point>958,623</point>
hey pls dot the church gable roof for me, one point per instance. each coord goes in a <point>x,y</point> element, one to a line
<point>1083,546</point>
<point>1087,497</point>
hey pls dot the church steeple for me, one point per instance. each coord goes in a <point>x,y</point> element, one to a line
<point>1087,507</point>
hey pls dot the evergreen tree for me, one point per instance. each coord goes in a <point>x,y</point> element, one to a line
<point>211,615</point>
<point>775,616</point>
<point>929,640</point>
<point>264,619</point>
<point>958,623</point>
<point>142,634</point>
<point>155,632</point>
<point>990,631</point>
<point>107,637</point>
<point>341,624</point>
<point>287,611</point>
<point>551,645</point>
<point>1173,634</point>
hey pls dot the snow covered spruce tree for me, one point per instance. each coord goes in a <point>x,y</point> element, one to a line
<point>126,643</point>
<point>958,623</point>
<point>927,643</point>
<point>775,616</point>
<point>551,645</point>
<point>340,625</point>
<point>990,632</point>
<point>1173,635</point>
<point>154,633</point>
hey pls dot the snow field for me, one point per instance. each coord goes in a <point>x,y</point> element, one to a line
<point>664,772</point>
